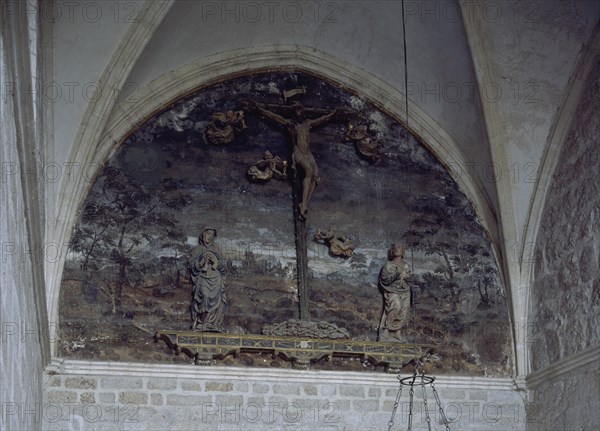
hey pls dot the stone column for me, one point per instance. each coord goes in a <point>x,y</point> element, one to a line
<point>23,315</point>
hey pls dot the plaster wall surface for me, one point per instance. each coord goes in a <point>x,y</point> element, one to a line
<point>86,35</point>
<point>94,396</point>
<point>529,51</point>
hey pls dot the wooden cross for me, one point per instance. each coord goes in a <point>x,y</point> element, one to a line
<point>299,126</point>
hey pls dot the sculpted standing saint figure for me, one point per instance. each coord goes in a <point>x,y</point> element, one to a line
<point>396,294</point>
<point>207,271</point>
<point>299,128</point>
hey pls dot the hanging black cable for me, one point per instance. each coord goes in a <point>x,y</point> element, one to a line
<point>417,379</point>
<point>410,191</point>
<point>405,64</point>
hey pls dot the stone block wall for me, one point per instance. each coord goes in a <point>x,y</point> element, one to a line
<point>566,396</point>
<point>107,396</point>
<point>564,324</point>
<point>565,316</point>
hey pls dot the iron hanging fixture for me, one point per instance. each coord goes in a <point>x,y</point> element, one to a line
<point>423,381</point>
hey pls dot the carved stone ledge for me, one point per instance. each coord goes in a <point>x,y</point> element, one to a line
<point>204,348</point>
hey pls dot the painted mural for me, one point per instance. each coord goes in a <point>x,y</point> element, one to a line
<point>235,159</point>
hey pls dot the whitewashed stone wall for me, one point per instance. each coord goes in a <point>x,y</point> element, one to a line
<point>566,289</point>
<point>564,328</point>
<point>107,396</point>
<point>566,395</point>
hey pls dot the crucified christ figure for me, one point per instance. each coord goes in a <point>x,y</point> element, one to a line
<point>299,128</point>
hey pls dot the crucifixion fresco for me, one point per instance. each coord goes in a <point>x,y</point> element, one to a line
<point>307,199</point>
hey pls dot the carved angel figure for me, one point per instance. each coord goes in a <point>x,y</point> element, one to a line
<point>223,125</point>
<point>269,167</point>
<point>365,144</point>
<point>339,245</point>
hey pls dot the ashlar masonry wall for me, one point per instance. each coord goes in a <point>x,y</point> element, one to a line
<point>126,396</point>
